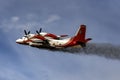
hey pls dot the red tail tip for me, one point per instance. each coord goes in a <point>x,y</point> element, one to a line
<point>83,25</point>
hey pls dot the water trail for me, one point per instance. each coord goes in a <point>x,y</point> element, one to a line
<point>100,49</point>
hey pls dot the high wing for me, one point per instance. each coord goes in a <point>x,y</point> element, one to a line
<point>50,35</point>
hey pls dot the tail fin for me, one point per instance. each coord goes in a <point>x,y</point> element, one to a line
<point>81,33</point>
<point>79,38</point>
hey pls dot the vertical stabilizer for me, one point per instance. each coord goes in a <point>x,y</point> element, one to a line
<point>80,34</point>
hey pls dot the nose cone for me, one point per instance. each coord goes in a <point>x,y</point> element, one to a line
<point>19,41</point>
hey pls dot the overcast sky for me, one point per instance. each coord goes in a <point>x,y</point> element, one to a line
<point>18,62</point>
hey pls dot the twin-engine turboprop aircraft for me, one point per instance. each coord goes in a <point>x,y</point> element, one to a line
<point>49,40</point>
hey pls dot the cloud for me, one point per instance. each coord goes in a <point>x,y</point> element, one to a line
<point>11,24</point>
<point>5,4</point>
<point>29,22</point>
<point>43,64</point>
<point>19,23</point>
<point>11,74</point>
<point>52,18</point>
<point>15,19</point>
<point>36,64</point>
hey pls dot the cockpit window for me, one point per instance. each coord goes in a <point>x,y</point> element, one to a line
<point>24,38</point>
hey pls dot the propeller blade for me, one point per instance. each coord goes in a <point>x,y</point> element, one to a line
<point>40,30</point>
<point>37,32</point>
<point>25,32</point>
<point>28,32</point>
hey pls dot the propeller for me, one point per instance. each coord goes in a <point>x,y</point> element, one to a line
<point>26,33</point>
<point>46,42</point>
<point>38,32</point>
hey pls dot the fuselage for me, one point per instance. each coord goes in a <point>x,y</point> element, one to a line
<point>35,39</point>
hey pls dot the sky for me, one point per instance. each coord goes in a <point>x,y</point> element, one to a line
<point>19,62</point>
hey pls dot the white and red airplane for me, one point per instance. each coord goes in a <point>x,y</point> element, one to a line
<point>49,40</point>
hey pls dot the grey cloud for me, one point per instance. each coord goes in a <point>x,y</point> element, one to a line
<point>101,18</point>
